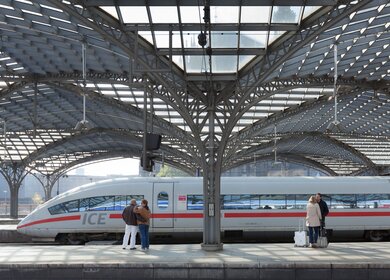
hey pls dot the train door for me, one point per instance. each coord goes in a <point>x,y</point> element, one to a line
<point>162,211</point>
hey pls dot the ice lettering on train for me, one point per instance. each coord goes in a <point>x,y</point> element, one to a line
<point>94,219</point>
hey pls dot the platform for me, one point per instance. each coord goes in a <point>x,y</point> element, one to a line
<point>8,234</point>
<point>236,261</point>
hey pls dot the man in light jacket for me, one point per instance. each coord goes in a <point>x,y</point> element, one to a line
<point>130,218</point>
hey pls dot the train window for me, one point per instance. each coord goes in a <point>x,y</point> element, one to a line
<point>377,201</point>
<point>301,201</point>
<point>137,197</point>
<point>71,206</point>
<point>101,203</point>
<point>84,204</point>
<point>255,201</point>
<point>162,200</point>
<point>290,201</point>
<point>326,198</point>
<point>120,202</point>
<point>236,201</point>
<point>343,201</point>
<point>194,202</point>
<point>273,201</point>
<point>361,201</point>
<point>57,209</point>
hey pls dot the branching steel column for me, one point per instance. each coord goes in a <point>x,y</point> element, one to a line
<point>14,176</point>
<point>47,181</point>
<point>211,187</point>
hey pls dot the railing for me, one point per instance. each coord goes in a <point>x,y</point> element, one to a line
<point>24,209</point>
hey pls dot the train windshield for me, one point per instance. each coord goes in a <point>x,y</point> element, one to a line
<point>97,203</point>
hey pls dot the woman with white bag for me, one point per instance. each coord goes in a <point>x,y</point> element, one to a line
<point>313,220</point>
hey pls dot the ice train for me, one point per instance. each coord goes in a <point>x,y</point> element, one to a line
<point>249,206</point>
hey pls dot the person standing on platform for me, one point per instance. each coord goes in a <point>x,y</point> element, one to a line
<point>313,220</point>
<point>130,218</point>
<point>324,211</point>
<point>143,218</point>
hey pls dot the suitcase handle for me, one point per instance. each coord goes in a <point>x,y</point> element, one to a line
<point>302,225</point>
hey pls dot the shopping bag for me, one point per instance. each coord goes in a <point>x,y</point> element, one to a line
<point>323,229</point>
<point>300,236</point>
<point>322,242</point>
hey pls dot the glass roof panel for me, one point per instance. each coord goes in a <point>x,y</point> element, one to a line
<point>224,39</point>
<point>223,14</point>
<point>110,10</point>
<point>134,14</point>
<point>244,59</point>
<point>308,10</point>
<point>254,14</point>
<point>164,14</point>
<point>178,59</point>
<point>191,14</point>
<point>146,35</point>
<point>224,63</point>
<point>273,35</point>
<point>6,7</point>
<point>197,63</point>
<point>286,14</point>
<point>162,39</point>
<point>191,40</point>
<point>253,39</point>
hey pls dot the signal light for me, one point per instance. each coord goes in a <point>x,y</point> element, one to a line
<point>153,141</point>
<point>149,163</point>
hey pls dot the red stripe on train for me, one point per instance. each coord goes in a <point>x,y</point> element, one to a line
<point>358,214</point>
<point>226,215</point>
<point>264,215</point>
<point>303,214</point>
<point>166,216</point>
<point>115,216</point>
<point>178,215</point>
<point>51,220</point>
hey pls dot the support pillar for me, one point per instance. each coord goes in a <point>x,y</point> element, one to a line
<point>14,175</point>
<point>211,188</point>
<point>212,213</point>
<point>47,183</point>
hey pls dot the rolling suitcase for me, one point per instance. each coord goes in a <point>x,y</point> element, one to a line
<point>300,236</point>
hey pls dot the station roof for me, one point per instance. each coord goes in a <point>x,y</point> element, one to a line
<point>267,67</point>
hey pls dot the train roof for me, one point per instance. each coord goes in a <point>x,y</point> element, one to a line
<point>365,184</point>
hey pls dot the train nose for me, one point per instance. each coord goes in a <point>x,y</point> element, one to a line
<point>22,227</point>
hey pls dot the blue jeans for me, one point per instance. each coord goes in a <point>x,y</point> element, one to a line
<point>144,232</point>
<point>313,234</point>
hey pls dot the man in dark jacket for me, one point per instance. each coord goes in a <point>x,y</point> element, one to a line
<point>130,218</point>
<point>324,209</point>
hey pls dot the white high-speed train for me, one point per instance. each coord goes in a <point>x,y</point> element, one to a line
<point>249,205</point>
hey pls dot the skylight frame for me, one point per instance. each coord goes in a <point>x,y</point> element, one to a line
<point>236,42</point>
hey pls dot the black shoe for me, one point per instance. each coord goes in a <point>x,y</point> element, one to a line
<point>133,248</point>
